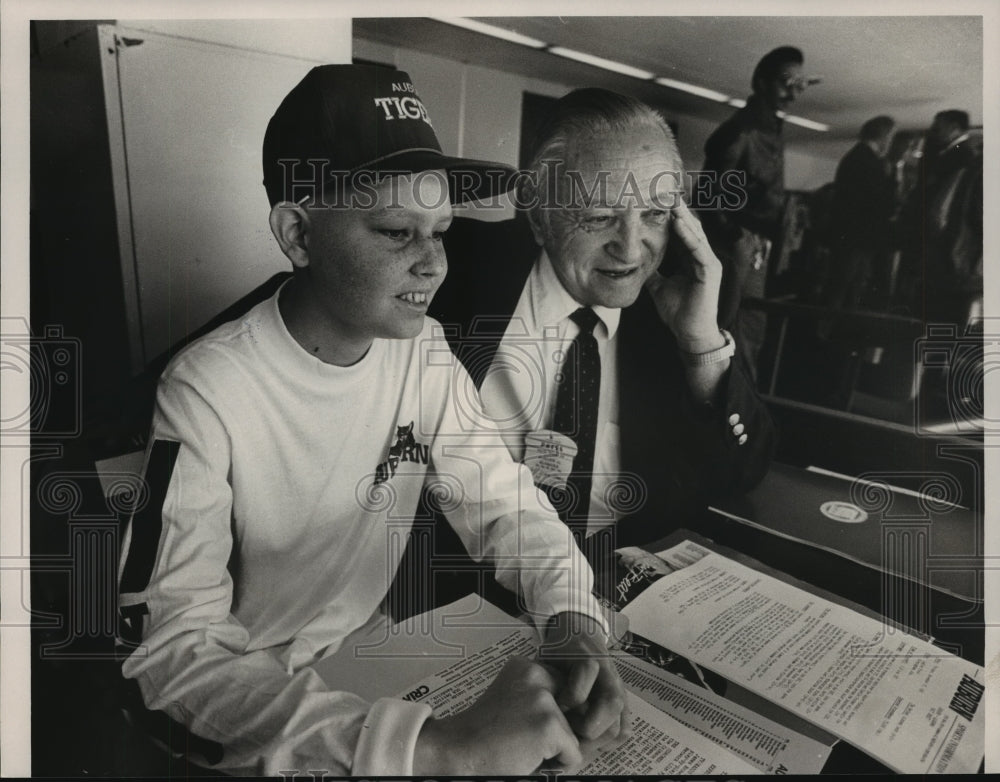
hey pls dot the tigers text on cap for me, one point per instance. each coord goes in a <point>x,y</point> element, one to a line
<point>341,120</point>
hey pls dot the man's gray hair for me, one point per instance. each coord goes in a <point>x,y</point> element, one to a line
<point>586,112</point>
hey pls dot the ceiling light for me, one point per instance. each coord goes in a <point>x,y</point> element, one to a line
<point>694,89</point>
<point>600,62</point>
<point>805,123</point>
<point>616,67</point>
<point>488,29</point>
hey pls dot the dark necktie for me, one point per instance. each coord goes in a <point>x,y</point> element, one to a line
<point>576,416</point>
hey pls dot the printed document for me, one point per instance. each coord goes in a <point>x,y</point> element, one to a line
<point>771,747</point>
<point>909,704</point>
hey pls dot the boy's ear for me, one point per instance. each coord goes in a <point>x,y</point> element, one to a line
<point>290,226</point>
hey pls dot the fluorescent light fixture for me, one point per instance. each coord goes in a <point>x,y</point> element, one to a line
<point>806,123</point>
<point>600,62</point>
<point>615,66</point>
<point>694,89</point>
<point>495,32</point>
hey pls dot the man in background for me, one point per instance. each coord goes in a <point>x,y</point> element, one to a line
<point>941,226</point>
<point>745,163</point>
<point>864,199</point>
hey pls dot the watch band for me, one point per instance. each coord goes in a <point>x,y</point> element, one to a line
<point>728,350</point>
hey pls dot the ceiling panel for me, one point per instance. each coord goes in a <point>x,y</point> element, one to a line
<point>908,67</point>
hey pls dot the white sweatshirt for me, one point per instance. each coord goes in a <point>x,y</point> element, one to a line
<point>281,490</point>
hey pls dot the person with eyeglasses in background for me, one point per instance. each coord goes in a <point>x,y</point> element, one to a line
<point>744,172</point>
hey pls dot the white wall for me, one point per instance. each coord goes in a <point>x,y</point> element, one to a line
<point>476,111</point>
<point>190,101</point>
<point>807,170</point>
<point>320,40</point>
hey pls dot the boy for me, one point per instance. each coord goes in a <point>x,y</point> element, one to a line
<point>289,447</point>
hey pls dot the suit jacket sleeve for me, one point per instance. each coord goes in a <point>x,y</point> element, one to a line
<point>683,452</point>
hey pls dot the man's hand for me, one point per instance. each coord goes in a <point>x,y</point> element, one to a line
<point>591,692</point>
<point>689,304</point>
<point>512,729</point>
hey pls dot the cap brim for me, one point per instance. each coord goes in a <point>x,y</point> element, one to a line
<point>468,179</point>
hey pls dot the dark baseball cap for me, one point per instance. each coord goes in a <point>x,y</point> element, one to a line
<point>342,121</point>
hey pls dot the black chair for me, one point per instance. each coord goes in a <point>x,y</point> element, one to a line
<point>121,424</point>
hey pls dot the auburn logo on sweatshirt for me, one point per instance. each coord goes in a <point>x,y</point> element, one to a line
<point>404,449</point>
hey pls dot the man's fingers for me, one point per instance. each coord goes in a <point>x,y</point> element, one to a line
<point>689,228</point>
<point>683,213</point>
<point>693,236</point>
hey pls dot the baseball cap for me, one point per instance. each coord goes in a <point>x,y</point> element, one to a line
<point>344,120</point>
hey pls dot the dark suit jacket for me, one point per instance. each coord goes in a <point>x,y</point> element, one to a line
<point>683,451</point>
<point>863,200</point>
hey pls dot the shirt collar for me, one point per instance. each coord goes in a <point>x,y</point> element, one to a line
<point>954,143</point>
<point>551,303</point>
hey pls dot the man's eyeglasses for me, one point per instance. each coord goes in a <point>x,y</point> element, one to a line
<point>798,84</point>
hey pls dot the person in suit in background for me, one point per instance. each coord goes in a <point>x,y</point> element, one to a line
<point>573,300</point>
<point>745,168</point>
<point>863,204</point>
<point>941,226</point>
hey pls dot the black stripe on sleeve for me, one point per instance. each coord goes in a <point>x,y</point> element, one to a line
<point>130,625</point>
<point>147,523</point>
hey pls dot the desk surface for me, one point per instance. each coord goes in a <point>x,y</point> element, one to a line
<point>920,538</point>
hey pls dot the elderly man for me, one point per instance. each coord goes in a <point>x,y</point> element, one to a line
<point>605,371</point>
<point>746,212</point>
<point>284,444</point>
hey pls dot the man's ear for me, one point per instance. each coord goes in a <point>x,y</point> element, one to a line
<point>290,226</point>
<point>535,221</point>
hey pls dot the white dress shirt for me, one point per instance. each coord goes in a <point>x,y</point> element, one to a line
<point>519,391</point>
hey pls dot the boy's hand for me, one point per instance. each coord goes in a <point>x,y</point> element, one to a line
<point>591,692</point>
<point>512,729</point>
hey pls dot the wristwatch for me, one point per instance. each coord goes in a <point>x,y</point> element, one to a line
<point>728,350</point>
